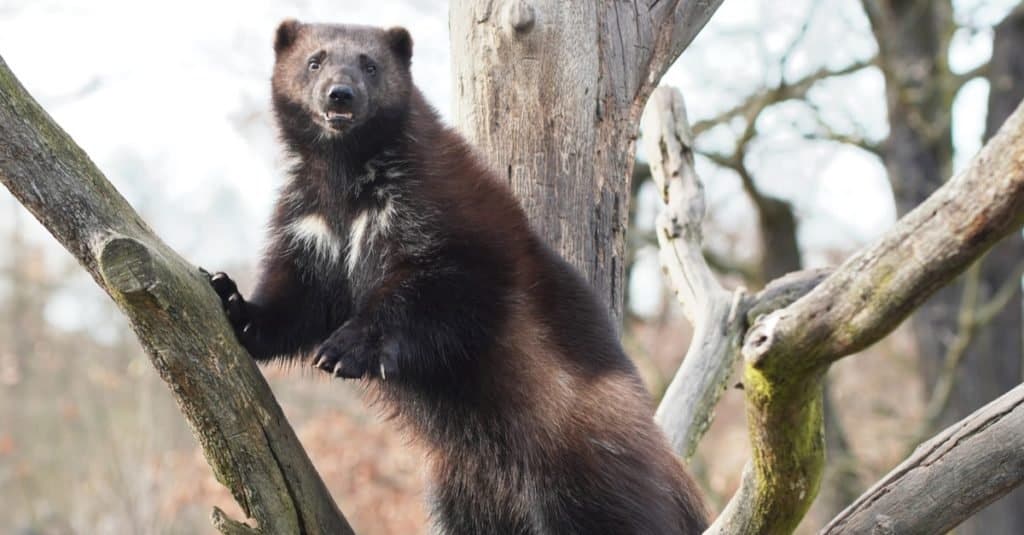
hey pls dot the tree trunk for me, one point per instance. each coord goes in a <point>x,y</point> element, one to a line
<point>913,39</point>
<point>551,92</point>
<point>779,238</point>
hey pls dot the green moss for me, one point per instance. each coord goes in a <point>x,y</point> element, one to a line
<point>785,419</point>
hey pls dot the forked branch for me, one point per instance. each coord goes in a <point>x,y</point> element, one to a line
<point>719,317</point>
<point>791,344</point>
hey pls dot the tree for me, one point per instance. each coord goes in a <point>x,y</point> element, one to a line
<point>583,155</point>
<point>968,334</point>
<point>552,92</point>
<point>967,355</point>
<point>792,340</point>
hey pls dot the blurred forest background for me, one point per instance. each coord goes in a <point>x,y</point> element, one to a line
<point>818,122</point>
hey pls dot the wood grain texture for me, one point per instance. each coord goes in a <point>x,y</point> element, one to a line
<point>250,446</point>
<point>554,104</point>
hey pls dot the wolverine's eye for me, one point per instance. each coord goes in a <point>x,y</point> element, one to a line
<point>369,67</point>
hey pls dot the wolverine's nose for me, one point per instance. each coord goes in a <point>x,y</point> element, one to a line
<point>341,94</point>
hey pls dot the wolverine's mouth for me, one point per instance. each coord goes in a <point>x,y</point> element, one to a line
<point>338,119</point>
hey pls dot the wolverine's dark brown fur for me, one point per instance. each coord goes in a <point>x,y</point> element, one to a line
<point>398,257</point>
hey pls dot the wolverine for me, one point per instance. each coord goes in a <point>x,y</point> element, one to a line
<point>398,258</point>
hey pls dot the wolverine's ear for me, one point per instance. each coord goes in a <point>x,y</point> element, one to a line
<point>401,43</point>
<point>286,34</point>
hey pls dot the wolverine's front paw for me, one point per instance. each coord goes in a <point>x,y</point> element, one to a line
<point>349,352</point>
<point>234,305</point>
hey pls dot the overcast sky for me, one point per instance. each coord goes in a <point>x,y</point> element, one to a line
<point>171,99</point>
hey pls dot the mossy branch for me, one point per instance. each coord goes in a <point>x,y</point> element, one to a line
<point>804,322</point>
<point>247,440</point>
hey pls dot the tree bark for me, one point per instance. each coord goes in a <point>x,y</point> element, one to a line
<point>551,91</point>
<point>781,253</point>
<point>913,40</point>
<point>992,361</point>
<point>177,317</point>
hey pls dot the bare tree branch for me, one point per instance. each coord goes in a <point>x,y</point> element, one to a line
<point>780,252</point>
<point>787,352</point>
<point>686,408</point>
<point>876,289</point>
<point>244,434</point>
<point>729,266</point>
<point>801,34</point>
<point>827,133</point>
<point>981,71</point>
<point>797,89</point>
<point>947,479</point>
<point>675,24</point>
<point>719,317</point>
<point>988,310</point>
<point>955,352</point>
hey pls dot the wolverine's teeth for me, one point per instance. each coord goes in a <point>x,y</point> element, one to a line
<point>331,115</point>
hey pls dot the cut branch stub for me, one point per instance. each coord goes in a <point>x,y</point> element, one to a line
<point>520,16</point>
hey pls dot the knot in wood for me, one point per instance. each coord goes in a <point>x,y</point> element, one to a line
<point>519,16</point>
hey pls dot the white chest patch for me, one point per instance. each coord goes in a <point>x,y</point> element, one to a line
<point>367,226</point>
<point>356,236</point>
<point>313,233</point>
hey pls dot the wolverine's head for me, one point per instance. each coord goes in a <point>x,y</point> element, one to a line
<point>330,79</point>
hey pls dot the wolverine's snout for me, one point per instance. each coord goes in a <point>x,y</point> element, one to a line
<point>340,105</point>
